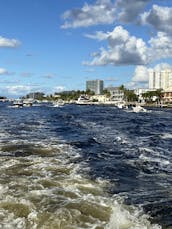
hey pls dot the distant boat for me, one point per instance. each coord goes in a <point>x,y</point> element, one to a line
<point>139,109</point>
<point>59,103</point>
<point>18,103</point>
<point>27,102</point>
<point>83,100</point>
<point>121,105</point>
<point>56,105</point>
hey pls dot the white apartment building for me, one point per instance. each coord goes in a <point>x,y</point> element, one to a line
<point>160,79</point>
<point>116,94</point>
<point>167,78</point>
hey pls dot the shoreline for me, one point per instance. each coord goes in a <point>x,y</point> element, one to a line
<point>116,104</point>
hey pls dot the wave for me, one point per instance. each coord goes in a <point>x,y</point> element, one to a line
<point>53,192</point>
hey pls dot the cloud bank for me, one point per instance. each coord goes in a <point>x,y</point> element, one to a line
<point>160,18</point>
<point>128,11</point>
<point>122,47</point>
<point>125,49</point>
<point>104,12</point>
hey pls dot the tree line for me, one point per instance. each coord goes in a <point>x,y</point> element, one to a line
<point>149,96</point>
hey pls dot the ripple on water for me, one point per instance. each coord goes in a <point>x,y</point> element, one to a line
<point>45,181</point>
<point>47,190</point>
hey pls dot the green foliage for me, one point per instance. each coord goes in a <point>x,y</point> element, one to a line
<point>130,96</point>
<point>107,93</point>
<point>89,92</point>
<point>71,95</point>
<point>122,88</point>
<point>148,96</point>
<point>95,100</point>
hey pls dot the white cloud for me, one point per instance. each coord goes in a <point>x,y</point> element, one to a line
<point>99,35</point>
<point>18,90</point>
<point>133,85</point>
<point>123,49</point>
<point>3,71</point>
<point>161,46</point>
<point>141,74</point>
<point>161,66</point>
<point>102,12</point>
<point>59,88</point>
<point>159,18</point>
<point>8,43</point>
<point>140,78</point>
<point>130,10</point>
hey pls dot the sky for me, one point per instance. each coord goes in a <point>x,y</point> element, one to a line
<point>52,45</point>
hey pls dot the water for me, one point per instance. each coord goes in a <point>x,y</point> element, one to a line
<point>93,167</point>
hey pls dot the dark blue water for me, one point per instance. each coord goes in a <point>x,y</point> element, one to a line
<point>132,151</point>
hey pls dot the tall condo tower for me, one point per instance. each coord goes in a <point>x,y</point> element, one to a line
<point>160,79</point>
<point>95,86</point>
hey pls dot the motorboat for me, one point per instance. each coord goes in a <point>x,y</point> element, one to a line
<point>83,100</point>
<point>138,108</point>
<point>58,103</point>
<point>122,105</point>
<point>27,102</point>
<point>18,103</point>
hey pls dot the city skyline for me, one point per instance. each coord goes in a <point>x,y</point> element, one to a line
<point>53,46</point>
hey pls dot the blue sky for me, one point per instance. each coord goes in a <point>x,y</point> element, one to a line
<point>57,45</point>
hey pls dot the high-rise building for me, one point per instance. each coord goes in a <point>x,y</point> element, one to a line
<point>95,86</point>
<point>160,79</point>
<point>166,76</point>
